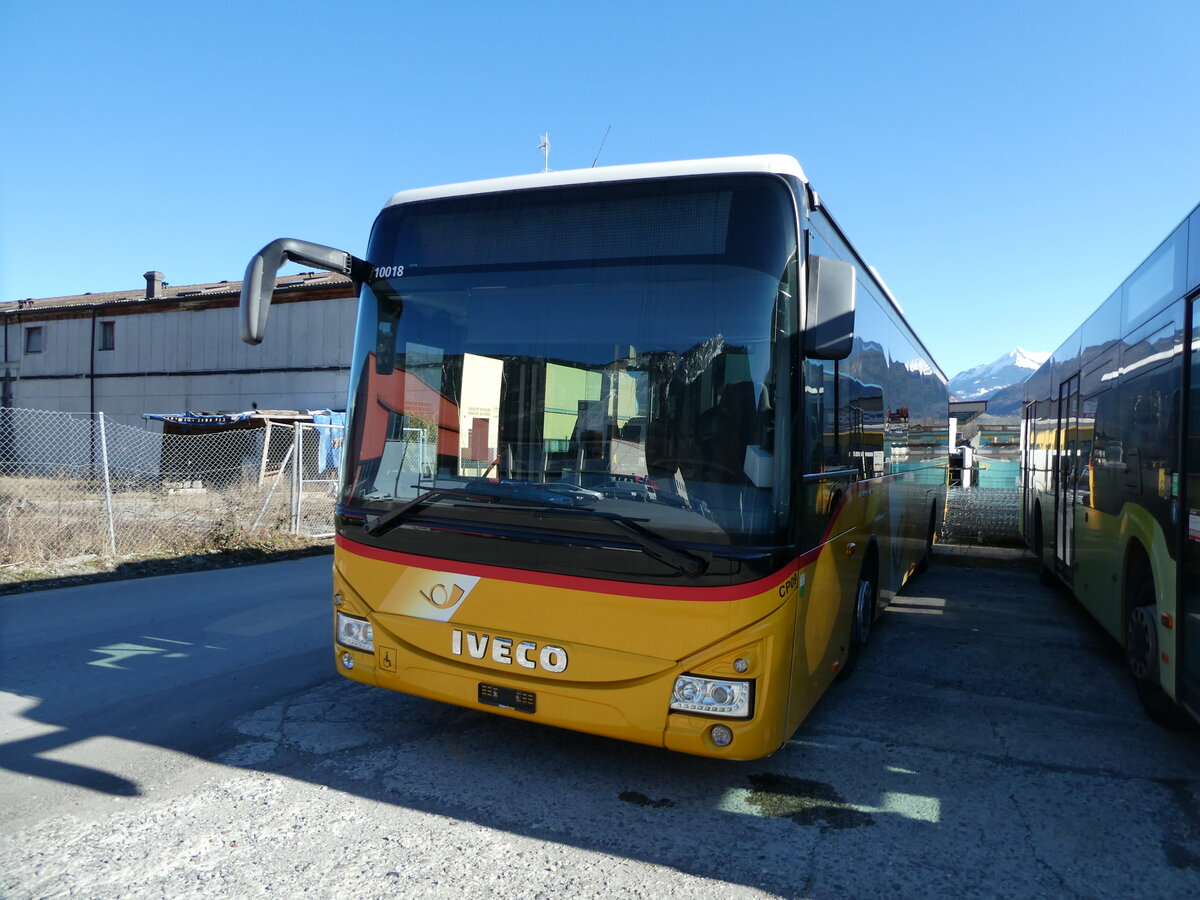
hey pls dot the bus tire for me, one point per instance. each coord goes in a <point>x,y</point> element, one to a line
<point>1141,656</point>
<point>866,597</point>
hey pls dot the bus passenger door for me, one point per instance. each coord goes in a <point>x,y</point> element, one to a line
<point>1067,475</point>
<point>1187,651</point>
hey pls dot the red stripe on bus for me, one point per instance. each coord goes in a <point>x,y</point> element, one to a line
<point>578,582</point>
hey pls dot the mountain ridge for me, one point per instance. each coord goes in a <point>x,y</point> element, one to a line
<point>982,382</point>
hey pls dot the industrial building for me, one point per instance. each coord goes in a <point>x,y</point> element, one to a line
<point>168,349</point>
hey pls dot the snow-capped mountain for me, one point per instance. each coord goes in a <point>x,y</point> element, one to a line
<point>982,382</point>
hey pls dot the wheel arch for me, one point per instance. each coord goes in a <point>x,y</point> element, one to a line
<point>1137,566</point>
<point>871,563</point>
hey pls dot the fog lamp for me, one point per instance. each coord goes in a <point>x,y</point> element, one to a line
<point>347,661</point>
<point>711,697</point>
<point>722,735</point>
<point>355,632</point>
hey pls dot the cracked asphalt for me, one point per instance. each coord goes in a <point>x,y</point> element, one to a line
<point>186,736</point>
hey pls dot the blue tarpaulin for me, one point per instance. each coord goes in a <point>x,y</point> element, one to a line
<point>330,428</point>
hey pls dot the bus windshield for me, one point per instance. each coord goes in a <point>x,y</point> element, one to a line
<point>623,348</point>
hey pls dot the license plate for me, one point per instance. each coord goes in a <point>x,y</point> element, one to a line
<point>507,698</point>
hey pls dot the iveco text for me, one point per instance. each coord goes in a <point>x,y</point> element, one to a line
<point>551,658</point>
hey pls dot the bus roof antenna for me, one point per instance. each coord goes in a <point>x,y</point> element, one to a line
<point>544,146</point>
<point>601,150</point>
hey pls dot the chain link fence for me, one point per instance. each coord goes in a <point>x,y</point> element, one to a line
<point>983,500</point>
<point>980,515</point>
<point>74,485</point>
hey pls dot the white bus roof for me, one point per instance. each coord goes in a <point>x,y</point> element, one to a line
<point>777,164</point>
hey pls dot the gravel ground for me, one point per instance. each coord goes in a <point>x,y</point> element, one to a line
<point>257,834</point>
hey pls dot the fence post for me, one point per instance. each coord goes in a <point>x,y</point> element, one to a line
<point>274,484</point>
<point>262,465</point>
<point>108,508</point>
<point>297,476</point>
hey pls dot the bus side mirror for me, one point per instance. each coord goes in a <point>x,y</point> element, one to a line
<point>259,284</point>
<point>829,328</point>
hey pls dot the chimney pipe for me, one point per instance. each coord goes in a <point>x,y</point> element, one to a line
<point>154,285</point>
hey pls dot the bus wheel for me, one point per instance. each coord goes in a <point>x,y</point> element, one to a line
<point>1141,655</point>
<point>865,598</point>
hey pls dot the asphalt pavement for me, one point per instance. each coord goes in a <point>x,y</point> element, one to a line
<point>989,745</point>
<point>155,664</point>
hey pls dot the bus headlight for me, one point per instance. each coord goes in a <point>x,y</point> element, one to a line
<point>711,697</point>
<point>355,632</point>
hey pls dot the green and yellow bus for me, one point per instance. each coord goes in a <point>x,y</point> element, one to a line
<point>628,450</point>
<point>1111,471</point>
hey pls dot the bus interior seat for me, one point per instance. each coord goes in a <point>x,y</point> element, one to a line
<point>726,429</point>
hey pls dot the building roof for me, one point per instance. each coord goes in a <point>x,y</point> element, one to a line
<point>169,293</point>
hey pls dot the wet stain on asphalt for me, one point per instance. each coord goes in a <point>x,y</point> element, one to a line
<point>1179,856</point>
<point>643,800</point>
<point>805,802</point>
<point>1180,847</point>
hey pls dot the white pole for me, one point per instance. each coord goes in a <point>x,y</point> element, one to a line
<point>271,493</point>
<point>297,477</point>
<point>112,535</point>
<point>262,466</point>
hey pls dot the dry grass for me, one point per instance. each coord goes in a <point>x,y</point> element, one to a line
<point>59,527</point>
<point>89,569</point>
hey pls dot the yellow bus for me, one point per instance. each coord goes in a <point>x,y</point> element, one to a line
<point>1111,471</point>
<point>627,450</point>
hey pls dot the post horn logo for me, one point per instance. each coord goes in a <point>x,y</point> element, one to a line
<point>440,598</point>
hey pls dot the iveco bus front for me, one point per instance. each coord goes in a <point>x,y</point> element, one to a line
<point>574,485</point>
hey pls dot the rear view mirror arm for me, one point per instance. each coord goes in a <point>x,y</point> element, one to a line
<point>258,286</point>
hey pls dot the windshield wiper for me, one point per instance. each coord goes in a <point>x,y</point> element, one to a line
<point>516,494</point>
<point>652,545</point>
<point>550,502</point>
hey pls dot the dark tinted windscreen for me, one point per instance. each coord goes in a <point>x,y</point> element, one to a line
<point>617,343</point>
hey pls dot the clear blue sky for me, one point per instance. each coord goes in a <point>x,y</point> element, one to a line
<point>1002,164</point>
